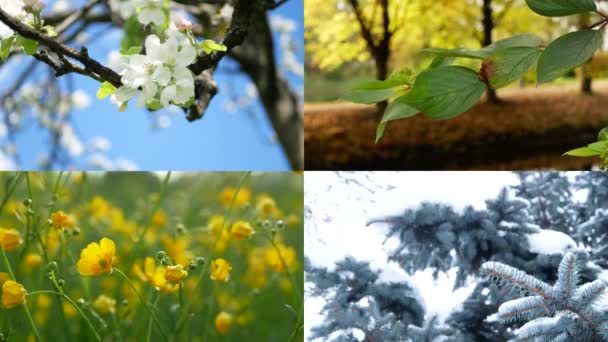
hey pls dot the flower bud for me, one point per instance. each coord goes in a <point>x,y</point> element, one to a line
<point>183,24</point>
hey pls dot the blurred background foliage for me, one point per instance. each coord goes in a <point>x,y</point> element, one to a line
<point>339,56</point>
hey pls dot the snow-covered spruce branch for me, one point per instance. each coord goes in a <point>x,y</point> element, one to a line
<point>562,312</point>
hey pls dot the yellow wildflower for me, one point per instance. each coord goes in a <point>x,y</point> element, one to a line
<point>97,258</point>
<point>68,309</point>
<point>216,225</point>
<point>267,207</point>
<point>4,277</point>
<point>222,322</point>
<point>154,275</point>
<point>33,260</point>
<point>242,198</point>
<point>10,239</point>
<point>241,230</point>
<point>99,207</point>
<point>244,318</point>
<point>105,305</point>
<point>13,294</point>
<point>175,273</point>
<point>59,220</point>
<point>159,219</point>
<point>274,259</point>
<point>177,248</point>
<point>222,241</point>
<point>220,270</point>
<point>292,220</point>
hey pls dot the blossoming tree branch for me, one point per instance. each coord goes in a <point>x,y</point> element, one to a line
<point>166,56</point>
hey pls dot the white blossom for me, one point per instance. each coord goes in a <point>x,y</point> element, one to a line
<point>163,69</point>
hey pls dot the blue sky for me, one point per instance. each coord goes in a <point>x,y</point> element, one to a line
<point>221,141</point>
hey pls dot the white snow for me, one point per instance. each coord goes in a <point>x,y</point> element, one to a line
<point>550,242</point>
<point>342,203</point>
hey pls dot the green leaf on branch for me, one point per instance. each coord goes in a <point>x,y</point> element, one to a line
<point>510,64</point>
<point>441,61</point>
<point>134,35</point>
<point>445,92</point>
<point>568,52</point>
<point>400,77</point>
<point>520,40</point>
<point>105,90</point>
<point>560,8</point>
<point>50,31</point>
<point>5,47</point>
<point>133,50</point>
<point>375,91</point>
<point>458,53</point>
<point>154,105</point>
<point>398,109</point>
<point>600,146</point>
<point>209,46</point>
<point>582,152</point>
<point>29,46</point>
<point>603,135</point>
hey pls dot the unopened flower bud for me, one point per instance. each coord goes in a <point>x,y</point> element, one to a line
<point>183,24</point>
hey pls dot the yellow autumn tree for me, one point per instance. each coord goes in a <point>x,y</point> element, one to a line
<point>336,29</point>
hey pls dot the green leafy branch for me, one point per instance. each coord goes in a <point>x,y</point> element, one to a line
<point>444,91</point>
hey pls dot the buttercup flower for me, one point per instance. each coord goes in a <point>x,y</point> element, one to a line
<point>97,258</point>
<point>220,270</point>
<point>242,198</point>
<point>33,260</point>
<point>99,207</point>
<point>216,225</point>
<point>241,230</point>
<point>4,277</point>
<point>267,207</point>
<point>155,275</point>
<point>274,259</point>
<point>59,220</point>
<point>13,294</point>
<point>10,239</point>
<point>105,305</point>
<point>222,322</point>
<point>175,273</point>
<point>159,218</point>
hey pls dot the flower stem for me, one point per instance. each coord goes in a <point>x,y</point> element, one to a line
<point>28,316</point>
<point>297,294</point>
<point>71,301</point>
<point>143,301</point>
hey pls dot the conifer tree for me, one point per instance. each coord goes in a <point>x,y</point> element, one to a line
<point>564,311</point>
<point>358,303</point>
<point>550,197</point>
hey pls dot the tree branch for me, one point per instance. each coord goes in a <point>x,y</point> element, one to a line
<point>91,66</point>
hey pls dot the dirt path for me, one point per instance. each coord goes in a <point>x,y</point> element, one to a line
<point>530,130</point>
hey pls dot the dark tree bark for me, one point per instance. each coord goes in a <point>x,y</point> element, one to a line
<point>488,29</point>
<point>586,79</point>
<point>378,45</point>
<point>256,57</point>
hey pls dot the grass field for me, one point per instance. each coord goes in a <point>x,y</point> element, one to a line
<point>530,130</point>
